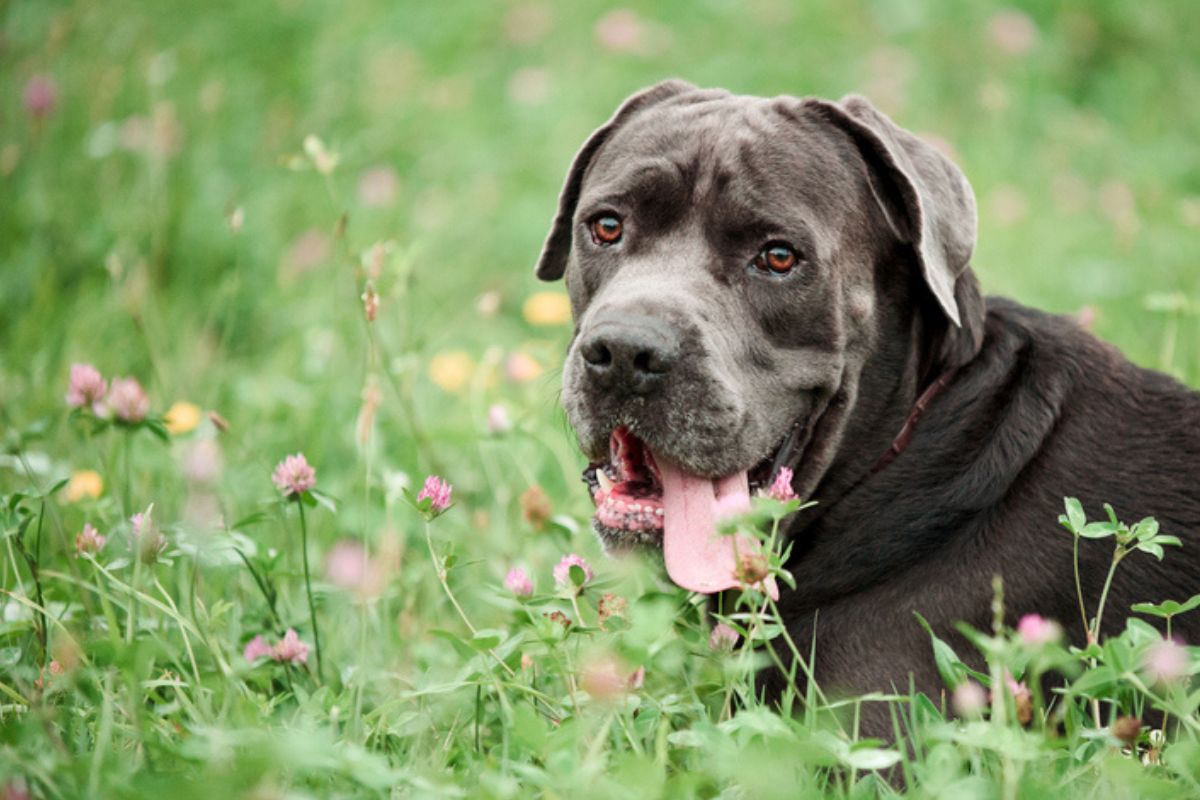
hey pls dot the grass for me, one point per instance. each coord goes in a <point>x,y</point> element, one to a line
<point>169,218</point>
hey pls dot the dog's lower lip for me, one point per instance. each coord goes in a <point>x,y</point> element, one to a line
<point>627,489</point>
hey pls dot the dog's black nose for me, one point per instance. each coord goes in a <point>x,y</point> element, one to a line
<point>635,355</point>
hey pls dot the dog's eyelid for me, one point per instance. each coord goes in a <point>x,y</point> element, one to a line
<point>617,205</point>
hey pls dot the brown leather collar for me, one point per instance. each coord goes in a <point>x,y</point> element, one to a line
<point>910,424</point>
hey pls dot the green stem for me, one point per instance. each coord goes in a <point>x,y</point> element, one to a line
<point>312,609</point>
<point>441,576</point>
<point>575,604</point>
<point>131,617</point>
<point>126,490</point>
<point>1079,593</point>
<point>1118,554</point>
<point>267,593</point>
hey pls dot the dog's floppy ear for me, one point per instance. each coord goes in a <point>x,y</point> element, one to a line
<point>553,261</point>
<point>925,197</point>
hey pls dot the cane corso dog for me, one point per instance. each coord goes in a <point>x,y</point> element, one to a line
<point>761,283</point>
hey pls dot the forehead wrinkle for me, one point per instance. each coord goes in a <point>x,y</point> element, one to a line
<point>629,180</point>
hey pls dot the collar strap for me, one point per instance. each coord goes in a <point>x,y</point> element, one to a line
<point>910,424</point>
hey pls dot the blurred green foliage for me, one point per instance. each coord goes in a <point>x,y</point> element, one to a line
<point>160,217</point>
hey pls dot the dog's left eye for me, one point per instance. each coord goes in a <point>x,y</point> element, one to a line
<point>606,229</point>
<point>777,258</point>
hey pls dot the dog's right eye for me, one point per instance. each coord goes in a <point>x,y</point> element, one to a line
<point>777,258</point>
<point>606,229</point>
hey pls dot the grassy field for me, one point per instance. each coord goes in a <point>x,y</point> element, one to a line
<point>310,227</point>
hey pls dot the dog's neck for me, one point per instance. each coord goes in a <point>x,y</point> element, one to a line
<point>883,400</point>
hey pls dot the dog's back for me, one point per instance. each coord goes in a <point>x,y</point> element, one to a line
<point>1044,411</point>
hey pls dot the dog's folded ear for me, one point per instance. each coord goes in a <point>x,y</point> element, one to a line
<point>925,197</point>
<point>553,261</point>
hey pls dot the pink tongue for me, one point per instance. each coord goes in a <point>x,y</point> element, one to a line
<point>697,557</point>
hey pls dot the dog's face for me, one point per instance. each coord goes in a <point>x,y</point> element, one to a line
<point>721,256</point>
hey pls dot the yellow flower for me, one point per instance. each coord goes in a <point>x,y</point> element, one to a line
<point>182,417</point>
<point>84,483</point>
<point>451,370</point>
<point>547,308</point>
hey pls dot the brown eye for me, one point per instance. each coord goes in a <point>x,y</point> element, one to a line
<point>777,258</point>
<point>606,229</point>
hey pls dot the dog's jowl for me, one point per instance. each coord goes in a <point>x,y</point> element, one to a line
<point>759,283</point>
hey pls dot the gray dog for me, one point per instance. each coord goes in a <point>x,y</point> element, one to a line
<point>767,283</point>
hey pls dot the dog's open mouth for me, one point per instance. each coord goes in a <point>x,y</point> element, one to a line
<point>644,498</point>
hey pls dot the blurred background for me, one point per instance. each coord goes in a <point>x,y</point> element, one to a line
<point>200,194</point>
<point>311,227</point>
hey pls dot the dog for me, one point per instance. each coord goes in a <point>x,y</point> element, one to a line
<point>770,283</point>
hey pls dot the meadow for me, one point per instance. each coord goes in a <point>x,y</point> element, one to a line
<point>293,227</point>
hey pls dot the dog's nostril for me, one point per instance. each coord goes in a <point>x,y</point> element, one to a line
<point>649,362</point>
<point>596,353</point>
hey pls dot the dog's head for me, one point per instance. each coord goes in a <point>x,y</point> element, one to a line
<point>733,265</point>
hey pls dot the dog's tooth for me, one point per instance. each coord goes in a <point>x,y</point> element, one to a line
<point>635,508</point>
<point>606,483</point>
<point>659,512</point>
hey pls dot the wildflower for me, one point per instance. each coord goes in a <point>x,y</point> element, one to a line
<point>562,572</point>
<point>257,648</point>
<point>535,506</point>
<point>753,569</point>
<point>611,605</point>
<point>517,581</point>
<point>378,187</point>
<point>488,303</point>
<point>1126,729</point>
<point>371,398</point>
<point>307,251</point>
<point>452,370</point>
<point>781,488</point>
<point>437,492</point>
<point>291,649</point>
<point>1035,630</point>
<point>87,387</point>
<point>293,476</point>
<point>348,565</point>
<point>237,219</point>
<point>1022,699</point>
<point>522,368</point>
<point>89,540</point>
<point>1012,32</point>
<point>547,308</point>
<point>84,483</point>
<point>529,86</point>
<point>41,96</point>
<point>526,662</point>
<point>127,400</point>
<point>968,699</point>
<point>621,31</point>
<point>1166,661</point>
<point>723,638</point>
<point>370,301</point>
<point>604,679</point>
<point>54,669</point>
<point>322,158</point>
<point>145,536</point>
<point>560,618</point>
<point>498,420</point>
<point>182,417</point>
